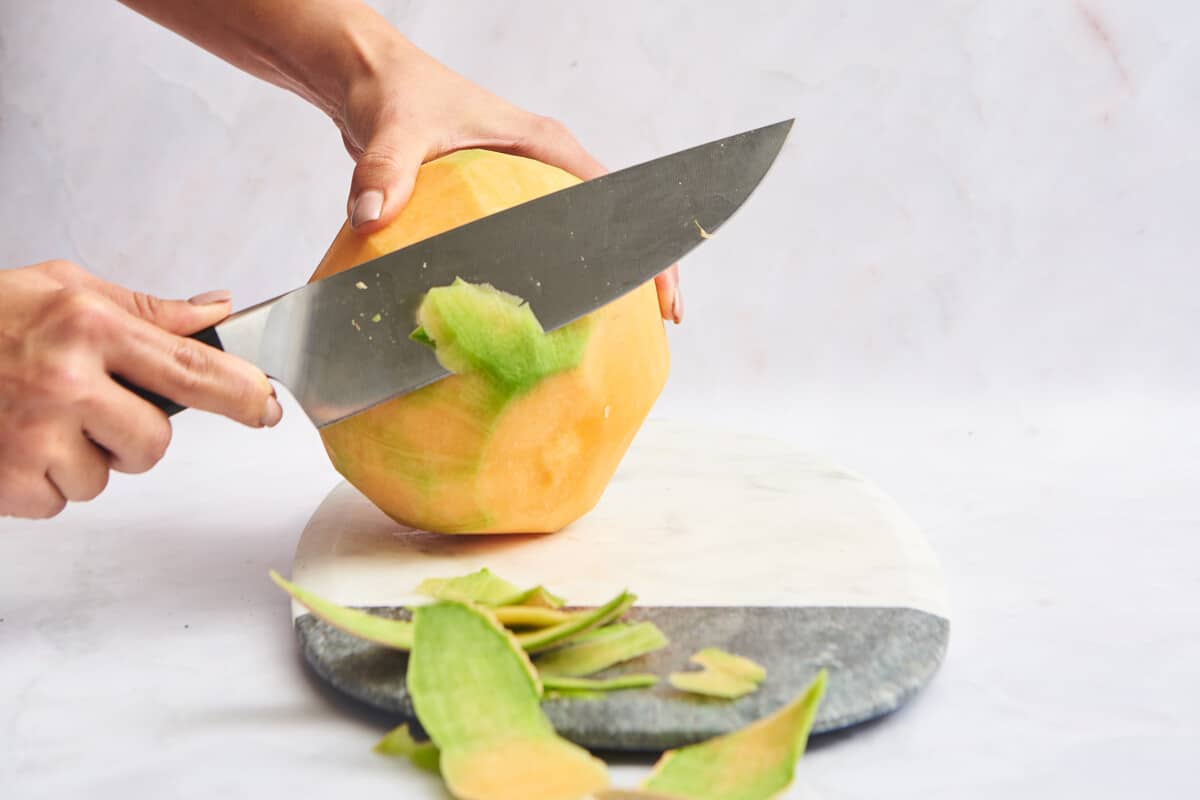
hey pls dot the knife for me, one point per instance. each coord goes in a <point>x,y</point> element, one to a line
<point>566,254</point>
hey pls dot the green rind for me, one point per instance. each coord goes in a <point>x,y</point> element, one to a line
<point>483,587</point>
<point>755,763</point>
<point>474,691</point>
<point>724,675</point>
<point>486,588</point>
<point>712,683</point>
<point>393,633</point>
<point>601,648</point>
<point>537,596</point>
<point>738,666</point>
<point>561,683</point>
<point>532,616</point>
<point>546,638</point>
<point>478,329</point>
<point>419,335</point>
<point>467,682</point>
<point>400,742</point>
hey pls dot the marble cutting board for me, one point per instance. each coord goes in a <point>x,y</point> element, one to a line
<point>729,541</point>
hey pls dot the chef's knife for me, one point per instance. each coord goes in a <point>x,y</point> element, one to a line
<point>341,344</point>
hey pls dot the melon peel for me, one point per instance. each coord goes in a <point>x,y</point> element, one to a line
<point>393,633</point>
<point>757,762</point>
<point>724,675</point>
<point>476,329</point>
<point>484,587</point>
<point>532,616</point>
<point>400,742</point>
<point>545,638</point>
<point>562,683</point>
<point>397,635</point>
<point>601,648</point>
<point>478,696</point>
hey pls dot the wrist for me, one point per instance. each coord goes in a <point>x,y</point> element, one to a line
<point>367,48</point>
<point>328,56</point>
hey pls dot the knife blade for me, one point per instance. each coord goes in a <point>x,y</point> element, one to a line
<point>566,253</point>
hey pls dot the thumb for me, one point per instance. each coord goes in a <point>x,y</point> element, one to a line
<point>383,180</point>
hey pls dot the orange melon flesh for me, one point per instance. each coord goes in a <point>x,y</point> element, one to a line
<point>468,454</point>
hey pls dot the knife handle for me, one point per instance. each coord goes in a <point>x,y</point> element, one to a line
<point>207,336</point>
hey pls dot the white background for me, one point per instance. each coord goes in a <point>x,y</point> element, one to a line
<point>972,276</point>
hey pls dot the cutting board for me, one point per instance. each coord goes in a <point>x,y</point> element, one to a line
<point>728,540</point>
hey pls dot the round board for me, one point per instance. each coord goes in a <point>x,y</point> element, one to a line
<point>729,541</point>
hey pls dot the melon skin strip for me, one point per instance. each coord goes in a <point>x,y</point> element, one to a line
<point>563,632</point>
<point>711,683</point>
<point>486,588</point>
<point>757,762</point>
<point>393,633</point>
<point>523,616</point>
<point>560,683</point>
<point>398,634</point>
<point>483,587</point>
<point>740,666</point>
<point>400,742</point>
<point>602,648</point>
<point>478,329</point>
<point>724,675</point>
<point>537,596</point>
<point>477,695</point>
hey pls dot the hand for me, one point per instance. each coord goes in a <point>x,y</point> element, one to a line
<point>407,109</point>
<point>395,105</point>
<point>64,422</point>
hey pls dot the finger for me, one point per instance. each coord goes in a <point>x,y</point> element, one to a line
<point>549,141</point>
<point>29,496</point>
<point>134,433</point>
<point>383,179</point>
<point>670,299</point>
<point>176,316</point>
<point>80,470</point>
<point>190,373</point>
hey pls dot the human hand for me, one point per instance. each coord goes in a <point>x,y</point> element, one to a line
<point>405,108</point>
<point>395,105</point>
<point>64,422</point>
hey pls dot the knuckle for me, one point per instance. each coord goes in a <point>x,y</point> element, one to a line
<point>64,271</point>
<point>95,485</point>
<point>49,507</point>
<point>194,364</point>
<point>30,496</point>
<point>251,400</point>
<point>82,316</point>
<point>378,160</point>
<point>147,306</point>
<point>549,128</point>
<point>153,447</point>
<point>67,378</point>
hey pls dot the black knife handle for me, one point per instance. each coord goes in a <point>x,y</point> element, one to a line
<point>207,336</point>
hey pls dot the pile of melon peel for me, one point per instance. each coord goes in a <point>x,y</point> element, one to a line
<point>483,654</point>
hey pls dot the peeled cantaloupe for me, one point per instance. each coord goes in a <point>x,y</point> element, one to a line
<point>476,454</point>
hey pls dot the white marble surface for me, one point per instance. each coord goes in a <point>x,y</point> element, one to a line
<point>743,520</point>
<point>972,279</point>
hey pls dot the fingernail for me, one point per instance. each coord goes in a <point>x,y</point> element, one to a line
<point>208,298</point>
<point>272,413</point>
<point>677,306</point>
<point>367,208</point>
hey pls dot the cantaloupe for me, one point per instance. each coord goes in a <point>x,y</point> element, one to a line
<point>480,451</point>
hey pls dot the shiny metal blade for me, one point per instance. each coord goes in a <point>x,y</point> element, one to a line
<point>341,344</point>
